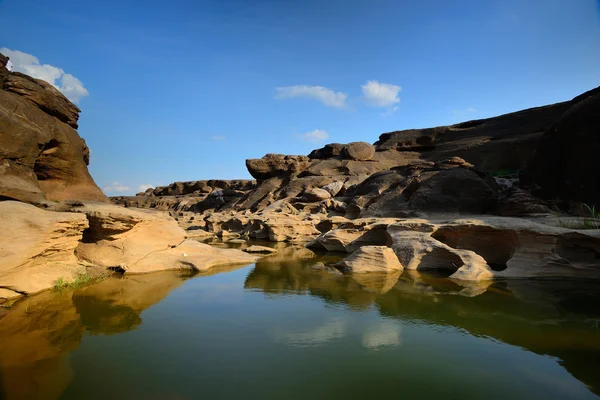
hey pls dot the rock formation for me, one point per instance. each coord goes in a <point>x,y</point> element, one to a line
<point>441,198</point>
<point>43,162</point>
<point>411,188</point>
<point>41,155</point>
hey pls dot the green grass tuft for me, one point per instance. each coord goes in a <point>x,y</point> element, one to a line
<point>589,221</point>
<point>82,279</point>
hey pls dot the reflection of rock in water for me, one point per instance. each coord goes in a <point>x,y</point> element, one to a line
<point>34,339</point>
<point>557,318</point>
<point>100,316</point>
<point>39,331</point>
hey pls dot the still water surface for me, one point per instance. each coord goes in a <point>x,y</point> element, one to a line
<point>286,328</point>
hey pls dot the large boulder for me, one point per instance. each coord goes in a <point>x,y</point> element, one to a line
<point>328,151</point>
<point>565,164</point>
<point>41,156</point>
<point>370,259</point>
<point>37,247</point>
<point>496,247</point>
<point>276,166</point>
<point>359,151</point>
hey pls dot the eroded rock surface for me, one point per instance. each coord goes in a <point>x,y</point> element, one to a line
<point>41,155</point>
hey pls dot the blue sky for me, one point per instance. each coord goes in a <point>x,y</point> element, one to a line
<point>185,90</point>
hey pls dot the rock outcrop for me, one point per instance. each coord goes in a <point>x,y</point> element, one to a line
<point>565,164</point>
<point>41,155</point>
<point>37,246</point>
<point>370,259</point>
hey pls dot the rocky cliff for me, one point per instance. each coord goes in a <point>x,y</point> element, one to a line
<point>41,155</point>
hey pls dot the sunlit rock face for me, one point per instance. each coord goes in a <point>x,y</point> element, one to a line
<point>41,155</point>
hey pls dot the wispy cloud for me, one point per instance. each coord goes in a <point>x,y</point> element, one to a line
<point>144,186</point>
<point>115,187</point>
<point>28,64</point>
<point>381,95</point>
<point>317,135</point>
<point>319,93</point>
<point>218,138</point>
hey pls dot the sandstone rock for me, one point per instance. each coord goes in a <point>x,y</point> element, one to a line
<point>359,151</point>
<point>37,246</point>
<point>121,235</point>
<point>418,250</point>
<point>190,255</point>
<point>349,238</point>
<point>515,202</point>
<point>409,140</point>
<point>455,190</point>
<point>41,156</point>
<point>259,249</point>
<point>488,247</point>
<point>44,96</point>
<point>328,151</point>
<point>289,228</point>
<point>276,166</point>
<point>370,259</point>
<point>334,188</point>
<point>316,194</point>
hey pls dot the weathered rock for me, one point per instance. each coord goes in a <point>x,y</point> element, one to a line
<point>455,190</point>
<point>316,194</point>
<point>44,96</point>
<point>417,249</point>
<point>41,156</point>
<point>515,202</point>
<point>328,151</point>
<point>276,166</point>
<point>334,188</point>
<point>359,151</point>
<point>37,246</point>
<point>565,165</point>
<point>349,237</point>
<point>283,228</point>
<point>190,255</point>
<point>259,249</point>
<point>409,140</point>
<point>489,247</point>
<point>370,259</point>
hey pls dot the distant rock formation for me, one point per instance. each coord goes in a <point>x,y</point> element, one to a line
<point>460,180</point>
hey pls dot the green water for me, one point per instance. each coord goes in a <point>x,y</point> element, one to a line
<point>295,329</point>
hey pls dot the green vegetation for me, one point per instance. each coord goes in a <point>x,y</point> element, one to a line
<point>590,221</point>
<point>81,279</point>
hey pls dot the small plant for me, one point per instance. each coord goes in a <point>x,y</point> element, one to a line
<point>81,279</point>
<point>593,220</point>
<point>590,221</point>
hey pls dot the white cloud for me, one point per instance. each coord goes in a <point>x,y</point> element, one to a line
<point>218,138</point>
<point>319,93</point>
<point>380,94</point>
<point>116,187</point>
<point>383,334</point>
<point>144,186</point>
<point>28,64</point>
<point>333,329</point>
<point>315,136</point>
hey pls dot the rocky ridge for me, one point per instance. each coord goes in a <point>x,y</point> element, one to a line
<point>474,199</point>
